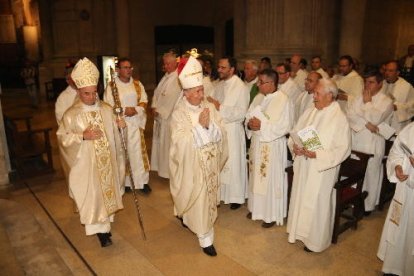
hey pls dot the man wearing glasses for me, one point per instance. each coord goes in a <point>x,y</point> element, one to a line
<point>286,84</point>
<point>231,99</point>
<point>134,103</point>
<point>268,120</point>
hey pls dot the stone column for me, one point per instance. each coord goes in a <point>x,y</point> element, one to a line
<point>122,27</point>
<point>352,27</point>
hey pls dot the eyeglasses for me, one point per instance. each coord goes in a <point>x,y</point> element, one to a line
<point>281,73</point>
<point>127,68</point>
<point>259,82</point>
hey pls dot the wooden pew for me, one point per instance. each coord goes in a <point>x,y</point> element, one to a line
<point>28,145</point>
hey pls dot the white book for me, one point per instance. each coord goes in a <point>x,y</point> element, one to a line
<point>307,138</point>
<point>385,130</point>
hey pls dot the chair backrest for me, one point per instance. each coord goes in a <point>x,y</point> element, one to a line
<point>353,167</point>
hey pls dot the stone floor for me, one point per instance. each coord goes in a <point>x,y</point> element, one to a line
<point>40,233</point>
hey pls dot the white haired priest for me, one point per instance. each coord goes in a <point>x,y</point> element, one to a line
<point>198,151</point>
<point>90,144</point>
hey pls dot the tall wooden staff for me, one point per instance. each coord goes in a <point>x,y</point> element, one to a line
<point>122,131</point>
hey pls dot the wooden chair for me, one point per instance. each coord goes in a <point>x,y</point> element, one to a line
<point>349,194</point>
<point>28,147</point>
<point>387,187</point>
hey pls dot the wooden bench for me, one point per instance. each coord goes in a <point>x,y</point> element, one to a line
<point>30,149</point>
<point>349,194</point>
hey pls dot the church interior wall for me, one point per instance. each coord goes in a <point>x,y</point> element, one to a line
<point>275,28</point>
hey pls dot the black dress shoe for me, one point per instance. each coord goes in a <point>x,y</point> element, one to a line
<point>128,189</point>
<point>268,224</point>
<point>249,215</point>
<point>367,213</point>
<point>104,239</point>
<point>146,190</point>
<point>234,206</point>
<point>210,250</point>
<point>307,249</point>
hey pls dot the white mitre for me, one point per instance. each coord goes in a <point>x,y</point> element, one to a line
<point>85,73</point>
<point>191,74</point>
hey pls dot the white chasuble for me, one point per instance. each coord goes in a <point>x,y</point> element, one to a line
<point>402,94</point>
<point>132,94</point>
<point>234,97</point>
<point>396,247</point>
<point>352,84</point>
<point>197,156</point>
<point>97,167</point>
<point>166,95</point>
<point>268,157</point>
<point>313,198</point>
<point>377,112</point>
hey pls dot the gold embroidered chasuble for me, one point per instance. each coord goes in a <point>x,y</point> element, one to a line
<point>97,169</point>
<point>194,172</point>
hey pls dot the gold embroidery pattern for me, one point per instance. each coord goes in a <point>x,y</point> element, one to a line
<point>396,210</point>
<point>138,90</point>
<point>144,153</point>
<point>103,161</point>
<point>264,160</point>
<point>209,156</point>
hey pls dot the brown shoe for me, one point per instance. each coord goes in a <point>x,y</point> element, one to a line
<point>268,225</point>
<point>249,215</point>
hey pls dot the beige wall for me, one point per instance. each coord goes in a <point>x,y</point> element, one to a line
<point>379,30</point>
<point>388,29</point>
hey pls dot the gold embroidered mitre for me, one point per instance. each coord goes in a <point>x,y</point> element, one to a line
<point>190,73</point>
<point>85,73</point>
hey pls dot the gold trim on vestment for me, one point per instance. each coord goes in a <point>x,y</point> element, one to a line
<point>144,153</point>
<point>138,90</point>
<point>103,162</point>
<point>209,155</point>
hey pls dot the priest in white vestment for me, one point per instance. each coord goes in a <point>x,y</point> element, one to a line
<point>367,115</point>
<point>268,120</point>
<point>313,197</point>
<point>67,97</point>
<point>349,82</point>
<point>316,65</point>
<point>134,102</point>
<point>298,74</point>
<point>396,247</point>
<point>286,83</point>
<point>197,154</point>
<point>402,94</point>
<point>231,99</point>
<point>166,95</point>
<point>90,143</point>
<point>250,77</point>
<point>305,99</point>
<point>65,100</point>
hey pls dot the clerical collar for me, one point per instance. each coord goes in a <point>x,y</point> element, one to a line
<point>192,107</point>
<point>123,82</point>
<point>93,107</point>
<point>391,82</point>
<point>270,95</point>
